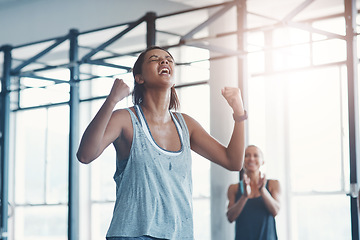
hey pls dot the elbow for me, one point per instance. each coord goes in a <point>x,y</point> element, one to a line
<point>275,212</point>
<point>82,158</point>
<point>235,163</point>
<point>237,166</point>
<point>229,217</point>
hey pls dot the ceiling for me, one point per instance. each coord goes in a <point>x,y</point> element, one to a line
<point>280,8</point>
<point>266,7</point>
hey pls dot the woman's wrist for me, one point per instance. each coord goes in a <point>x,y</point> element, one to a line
<point>240,118</point>
<point>111,101</point>
<point>244,197</point>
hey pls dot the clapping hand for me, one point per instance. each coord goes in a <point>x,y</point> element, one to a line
<point>246,184</point>
<point>262,181</point>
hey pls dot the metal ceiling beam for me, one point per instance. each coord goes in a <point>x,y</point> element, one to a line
<point>103,63</point>
<point>29,75</point>
<point>308,28</point>
<point>195,9</point>
<point>213,48</point>
<point>211,19</point>
<point>39,55</point>
<point>297,10</point>
<point>112,40</point>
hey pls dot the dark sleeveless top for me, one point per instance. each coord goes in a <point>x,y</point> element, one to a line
<point>255,222</point>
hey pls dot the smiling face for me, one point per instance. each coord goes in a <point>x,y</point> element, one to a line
<point>253,159</point>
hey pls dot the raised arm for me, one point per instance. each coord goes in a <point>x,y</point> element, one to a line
<point>105,127</point>
<point>232,156</point>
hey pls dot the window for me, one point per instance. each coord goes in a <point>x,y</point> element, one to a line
<point>41,175</point>
<point>298,116</point>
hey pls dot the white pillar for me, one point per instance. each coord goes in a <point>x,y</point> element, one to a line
<point>222,73</point>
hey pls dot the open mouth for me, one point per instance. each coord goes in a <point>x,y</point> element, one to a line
<point>164,71</point>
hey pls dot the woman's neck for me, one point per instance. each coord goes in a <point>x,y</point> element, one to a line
<point>156,106</point>
<point>254,176</point>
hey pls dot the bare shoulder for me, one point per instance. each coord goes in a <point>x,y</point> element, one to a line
<point>120,119</point>
<point>190,122</point>
<point>122,124</point>
<point>233,188</point>
<point>274,185</point>
<point>121,114</point>
<point>186,117</point>
<point>274,182</point>
<point>122,111</point>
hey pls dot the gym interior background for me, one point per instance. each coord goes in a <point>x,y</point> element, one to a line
<point>294,60</point>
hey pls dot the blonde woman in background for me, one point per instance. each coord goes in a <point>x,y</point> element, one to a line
<point>254,201</point>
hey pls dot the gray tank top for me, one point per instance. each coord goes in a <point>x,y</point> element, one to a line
<point>154,186</point>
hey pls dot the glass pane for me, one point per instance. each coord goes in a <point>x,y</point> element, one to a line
<point>257,111</point>
<point>292,57</point>
<point>33,97</point>
<point>292,51</point>
<point>256,62</point>
<point>202,217</point>
<point>196,71</point>
<point>286,36</point>
<point>58,92</point>
<point>100,219</point>
<point>102,171</point>
<point>322,55</point>
<point>334,25</point>
<point>315,131</point>
<point>41,223</point>
<point>30,156</point>
<point>101,86</point>
<point>57,155</point>
<point>194,101</point>
<point>321,217</point>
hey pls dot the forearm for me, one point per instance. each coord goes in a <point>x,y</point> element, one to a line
<point>90,145</point>
<point>271,204</point>
<point>236,146</point>
<point>235,210</point>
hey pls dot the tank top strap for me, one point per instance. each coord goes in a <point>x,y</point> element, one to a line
<point>132,115</point>
<point>177,124</point>
<point>180,119</point>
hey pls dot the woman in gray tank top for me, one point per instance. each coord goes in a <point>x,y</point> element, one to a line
<point>153,148</point>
